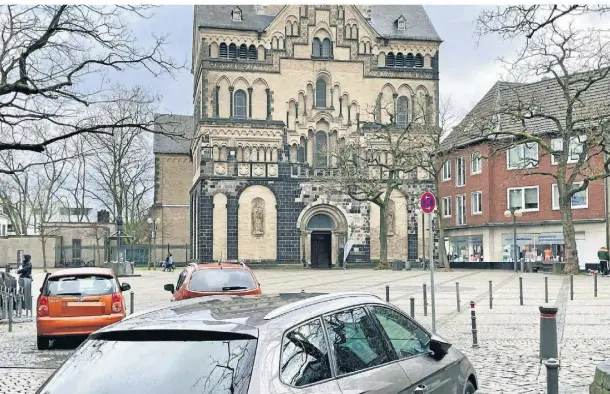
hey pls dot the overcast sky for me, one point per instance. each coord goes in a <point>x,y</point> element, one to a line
<point>467,70</point>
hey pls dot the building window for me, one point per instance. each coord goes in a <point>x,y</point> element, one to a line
<point>402,24</point>
<point>580,200</point>
<point>522,156</point>
<point>477,203</point>
<point>243,51</point>
<point>409,62</point>
<point>460,164</point>
<point>446,207</point>
<point>577,146</point>
<point>321,149</point>
<point>523,198</point>
<point>321,93</point>
<point>321,48</point>
<point>460,210</point>
<point>446,171</point>
<point>236,14</point>
<point>389,60</point>
<point>76,248</point>
<point>240,105</point>
<point>316,47</point>
<point>223,50</point>
<point>232,51</point>
<point>399,61</point>
<point>252,53</point>
<point>326,48</point>
<point>476,163</point>
<point>419,61</point>
<point>402,111</point>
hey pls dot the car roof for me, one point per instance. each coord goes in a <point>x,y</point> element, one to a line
<point>220,266</point>
<point>240,314</point>
<point>82,271</point>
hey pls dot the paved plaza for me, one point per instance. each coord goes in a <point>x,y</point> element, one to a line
<point>506,361</point>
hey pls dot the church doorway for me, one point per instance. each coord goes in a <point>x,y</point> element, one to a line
<point>321,249</point>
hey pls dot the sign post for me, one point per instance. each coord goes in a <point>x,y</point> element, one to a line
<point>427,203</point>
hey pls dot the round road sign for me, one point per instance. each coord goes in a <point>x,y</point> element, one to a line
<point>427,202</point>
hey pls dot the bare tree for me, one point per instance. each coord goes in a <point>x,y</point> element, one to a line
<point>54,64</point>
<point>565,115</point>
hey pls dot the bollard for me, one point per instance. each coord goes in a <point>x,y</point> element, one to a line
<point>552,376</point>
<point>10,312</point>
<point>548,332</point>
<point>425,301</point>
<point>490,297</point>
<point>546,289</point>
<point>595,285</point>
<point>19,303</point>
<point>572,287</point>
<point>131,305</point>
<point>412,307</point>
<point>387,293</point>
<point>457,295</point>
<point>473,317</point>
<point>521,290</point>
<point>32,306</point>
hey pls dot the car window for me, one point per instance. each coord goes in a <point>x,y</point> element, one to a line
<point>80,285</point>
<point>406,337</point>
<point>216,279</point>
<point>156,367</point>
<point>356,341</point>
<point>305,355</point>
<point>181,278</point>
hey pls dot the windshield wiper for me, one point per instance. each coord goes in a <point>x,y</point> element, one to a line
<point>76,294</point>
<point>227,288</point>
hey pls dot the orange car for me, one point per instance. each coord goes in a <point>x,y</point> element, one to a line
<point>78,301</point>
<point>199,280</point>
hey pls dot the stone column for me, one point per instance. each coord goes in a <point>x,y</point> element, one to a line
<point>216,103</point>
<point>349,114</point>
<point>231,88</point>
<point>334,247</point>
<point>306,246</point>
<point>249,103</point>
<point>310,150</point>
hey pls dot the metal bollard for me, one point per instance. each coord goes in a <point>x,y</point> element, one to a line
<point>131,304</point>
<point>457,295</point>
<point>19,303</point>
<point>490,296</point>
<point>387,293</point>
<point>425,301</point>
<point>10,312</point>
<point>473,317</point>
<point>546,289</point>
<point>548,332</point>
<point>595,285</point>
<point>412,307</point>
<point>32,307</point>
<point>572,287</point>
<point>552,376</point>
<point>521,290</point>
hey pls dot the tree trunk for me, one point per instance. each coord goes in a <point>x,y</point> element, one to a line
<point>383,238</point>
<point>569,236</point>
<point>441,230</point>
<point>43,242</point>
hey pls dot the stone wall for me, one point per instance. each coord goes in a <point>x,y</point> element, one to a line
<point>9,247</point>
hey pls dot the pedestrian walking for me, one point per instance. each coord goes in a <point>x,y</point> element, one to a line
<point>169,263</point>
<point>603,257</point>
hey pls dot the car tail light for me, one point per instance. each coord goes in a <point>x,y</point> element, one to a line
<point>43,306</point>
<point>117,303</point>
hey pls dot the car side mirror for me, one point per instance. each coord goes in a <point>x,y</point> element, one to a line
<point>169,287</point>
<point>439,348</point>
<point>125,286</point>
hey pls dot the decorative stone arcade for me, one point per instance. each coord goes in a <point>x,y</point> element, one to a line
<point>323,229</point>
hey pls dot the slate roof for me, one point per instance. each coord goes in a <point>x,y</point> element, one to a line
<point>542,97</point>
<point>178,132</point>
<point>383,20</point>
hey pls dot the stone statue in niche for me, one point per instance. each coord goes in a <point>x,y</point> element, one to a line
<point>389,217</point>
<point>258,217</point>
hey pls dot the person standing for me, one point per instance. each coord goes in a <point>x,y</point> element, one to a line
<point>26,267</point>
<point>603,257</point>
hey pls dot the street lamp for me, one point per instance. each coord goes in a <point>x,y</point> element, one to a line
<point>514,212</point>
<point>153,238</point>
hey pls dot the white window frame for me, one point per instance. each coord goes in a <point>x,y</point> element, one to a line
<point>580,140</point>
<point>522,188</point>
<point>457,210</point>
<point>523,165</point>
<point>555,200</point>
<point>402,24</point>
<point>446,201</point>
<point>476,157</point>
<point>457,171</point>
<point>473,207</point>
<point>446,171</point>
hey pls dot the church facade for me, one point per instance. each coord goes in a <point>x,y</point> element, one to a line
<point>275,89</point>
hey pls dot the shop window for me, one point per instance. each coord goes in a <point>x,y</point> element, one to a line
<point>579,200</point>
<point>467,248</point>
<point>524,198</point>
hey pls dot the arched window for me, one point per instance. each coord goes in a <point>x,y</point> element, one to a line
<point>321,93</point>
<point>240,104</point>
<point>316,47</point>
<point>232,51</point>
<point>419,60</point>
<point>389,60</point>
<point>409,60</point>
<point>399,60</point>
<point>223,49</point>
<point>295,29</point>
<point>321,149</point>
<point>326,48</point>
<point>402,111</point>
<point>243,51</point>
<point>252,53</point>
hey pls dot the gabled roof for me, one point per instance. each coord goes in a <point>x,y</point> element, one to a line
<point>219,16</point>
<point>177,134</point>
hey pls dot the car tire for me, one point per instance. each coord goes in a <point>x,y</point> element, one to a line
<point>469,388</point>
<point>42,343</point>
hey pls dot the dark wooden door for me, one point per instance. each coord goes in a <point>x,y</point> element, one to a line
<point>321,249</point>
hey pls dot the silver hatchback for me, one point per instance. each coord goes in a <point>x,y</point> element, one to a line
<point>286,343</point>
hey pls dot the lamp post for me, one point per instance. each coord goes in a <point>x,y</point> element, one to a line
<point>514,212</point>
<point>153,237</point>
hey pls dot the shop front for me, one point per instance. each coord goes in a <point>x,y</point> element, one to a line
<point>535,247</point>
<point>467,248</point>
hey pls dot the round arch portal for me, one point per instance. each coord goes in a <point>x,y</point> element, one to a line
<point>323,230</point>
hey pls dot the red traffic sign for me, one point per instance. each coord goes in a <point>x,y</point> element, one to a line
<point>427,202</point>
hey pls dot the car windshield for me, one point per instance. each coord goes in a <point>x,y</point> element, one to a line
<point>225,279</point>
<point>156,367</point>
<point>80,285</point>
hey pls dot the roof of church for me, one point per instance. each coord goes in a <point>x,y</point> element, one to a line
<point>383,20</point>
<point>177,133</point>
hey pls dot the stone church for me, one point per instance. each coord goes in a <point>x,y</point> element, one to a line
<point>275,89</point>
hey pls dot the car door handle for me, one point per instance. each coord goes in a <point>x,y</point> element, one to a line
<point>421,389</point>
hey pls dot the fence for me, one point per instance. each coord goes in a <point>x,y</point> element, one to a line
<point>141,254</point>
<point>16,299</point>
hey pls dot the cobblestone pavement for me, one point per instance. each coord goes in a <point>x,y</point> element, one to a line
<point>506,359</point>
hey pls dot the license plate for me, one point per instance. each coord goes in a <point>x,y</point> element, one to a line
<point>85,303</point>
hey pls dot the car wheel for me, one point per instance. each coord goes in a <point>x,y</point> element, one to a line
<point>469,388</point>
<point>42,343</point>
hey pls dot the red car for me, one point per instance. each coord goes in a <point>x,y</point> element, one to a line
<point>199,280</point>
